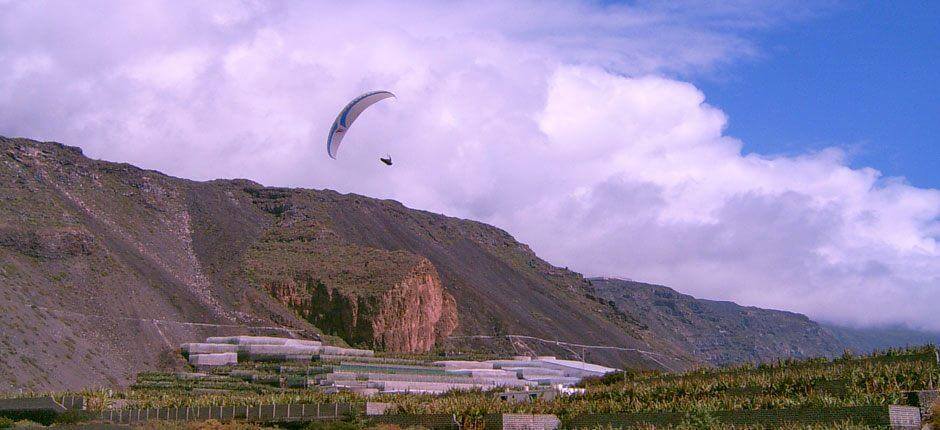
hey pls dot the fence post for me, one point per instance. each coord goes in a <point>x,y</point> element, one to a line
<point>288,411</point>
<point>318,410</point>
<point>274,411</point>
<point>335,410</point>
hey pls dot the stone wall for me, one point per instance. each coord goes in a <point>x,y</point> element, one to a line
<point>904,417</point>
<point>530,422</point>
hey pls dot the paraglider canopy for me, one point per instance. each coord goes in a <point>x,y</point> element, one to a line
<point>348,115</point>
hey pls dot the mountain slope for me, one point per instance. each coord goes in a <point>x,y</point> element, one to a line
<point>499,285</point>
<point>863,340</point>
<point>102,261</point>
<point>719,332</point>
<point>105,267</point>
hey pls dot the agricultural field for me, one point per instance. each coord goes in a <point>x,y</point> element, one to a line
<point>844,393</point>
<point>877,380</point>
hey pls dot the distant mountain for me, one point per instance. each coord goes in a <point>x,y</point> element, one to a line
<point>718,332</point>
<point>722,333</point>
<point>863,340</point>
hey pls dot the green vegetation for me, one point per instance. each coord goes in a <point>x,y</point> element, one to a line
<point>880,379</point>
<point>848,392</point>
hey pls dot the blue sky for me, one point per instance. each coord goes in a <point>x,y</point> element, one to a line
<point>864,76</point>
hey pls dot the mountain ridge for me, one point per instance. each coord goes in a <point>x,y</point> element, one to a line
<point>723,332</point>
<point>107,267</point>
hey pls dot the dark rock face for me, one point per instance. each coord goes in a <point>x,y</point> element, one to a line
<point>47,243</point>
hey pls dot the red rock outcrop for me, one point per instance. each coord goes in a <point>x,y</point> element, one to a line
<point>388,300</point>
<point>414,314</point>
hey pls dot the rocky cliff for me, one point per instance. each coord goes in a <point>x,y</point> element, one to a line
<point>370,297</point>
<point>416,313</point>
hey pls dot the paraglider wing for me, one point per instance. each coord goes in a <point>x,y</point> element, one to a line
<point>348,115</point>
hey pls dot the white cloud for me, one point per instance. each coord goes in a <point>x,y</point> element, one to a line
<point>556,121</point>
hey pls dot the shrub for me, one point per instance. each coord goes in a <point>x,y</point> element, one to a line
<point>700,420</point>
<point>334,425</point>
<point>5,423</point>
<point>73,417</point>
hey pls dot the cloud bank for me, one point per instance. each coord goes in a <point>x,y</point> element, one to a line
<point>565,123</point>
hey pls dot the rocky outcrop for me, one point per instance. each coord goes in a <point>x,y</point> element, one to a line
<point>416,313</point>
<point>46,243</point>
<point>387,300</point>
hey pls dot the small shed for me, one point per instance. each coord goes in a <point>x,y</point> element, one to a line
<point>546,394</point>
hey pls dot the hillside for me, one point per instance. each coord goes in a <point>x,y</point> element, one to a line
<point>723,333</point>
<point>498,285</point>
<point>719,332</point>
<point>868,339</point>
<point>102,261</point>
<point>106,267</point>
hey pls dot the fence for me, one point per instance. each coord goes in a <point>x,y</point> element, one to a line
<point>73,403</point>
<point>332,411</point>
<point>275,412</point>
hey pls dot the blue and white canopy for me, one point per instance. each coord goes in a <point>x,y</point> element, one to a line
<point>348,115</point>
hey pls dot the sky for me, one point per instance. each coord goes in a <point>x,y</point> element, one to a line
<point>778,154</point>
<point>863,77</point>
